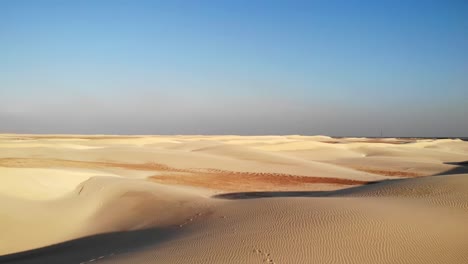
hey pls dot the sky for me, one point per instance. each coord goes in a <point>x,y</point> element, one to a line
<point>338,68</point>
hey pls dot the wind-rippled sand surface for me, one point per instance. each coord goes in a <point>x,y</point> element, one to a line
<point>232,199</point>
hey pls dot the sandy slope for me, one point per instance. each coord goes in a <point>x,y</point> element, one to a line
<point>232,199</point>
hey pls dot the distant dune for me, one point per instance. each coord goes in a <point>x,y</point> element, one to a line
<point>232,199</point>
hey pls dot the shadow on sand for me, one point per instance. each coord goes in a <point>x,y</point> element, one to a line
<point>83,250</point>
<point>462,168</point>
<point>94,247</point>
<point>270,194</point>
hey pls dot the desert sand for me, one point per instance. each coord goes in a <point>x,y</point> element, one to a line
<point>232,199</point>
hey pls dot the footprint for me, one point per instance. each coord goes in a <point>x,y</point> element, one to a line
<point>191,219</point>
<point>265,256</point>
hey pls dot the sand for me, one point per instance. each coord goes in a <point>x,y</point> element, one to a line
<point>232,199</point>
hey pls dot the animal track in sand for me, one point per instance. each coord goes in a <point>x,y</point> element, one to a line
<point>190,219</point>
<point>266,257</point>
<point>96,259</point>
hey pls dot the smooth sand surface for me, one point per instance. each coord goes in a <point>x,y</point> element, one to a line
<point>232,199</point>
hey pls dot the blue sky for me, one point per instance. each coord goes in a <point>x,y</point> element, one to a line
<point>341,68</point>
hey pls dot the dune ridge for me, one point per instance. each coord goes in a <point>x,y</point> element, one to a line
<point>232,199</point>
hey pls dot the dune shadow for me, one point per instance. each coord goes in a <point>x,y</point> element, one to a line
<point>272,194</point>
<point>94,247</point>
<point>459,163</point>
<point>462,168</point>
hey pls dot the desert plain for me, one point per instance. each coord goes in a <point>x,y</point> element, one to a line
<point>232,199</point>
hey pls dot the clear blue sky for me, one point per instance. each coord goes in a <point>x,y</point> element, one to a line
<point>341,68</point>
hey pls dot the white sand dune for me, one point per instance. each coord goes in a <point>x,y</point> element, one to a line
<point>94,206</point>
<point>232,199</point>
<point>40,183</point>
<point>321,230</point>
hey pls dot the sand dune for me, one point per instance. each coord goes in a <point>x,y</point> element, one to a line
<point>317,230</point>
<point>232,199</point>
<point>94,206</point>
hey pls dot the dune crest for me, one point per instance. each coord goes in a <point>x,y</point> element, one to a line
<point>232,199</point>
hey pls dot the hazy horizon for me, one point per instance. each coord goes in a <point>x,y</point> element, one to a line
<point>337,68</point>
